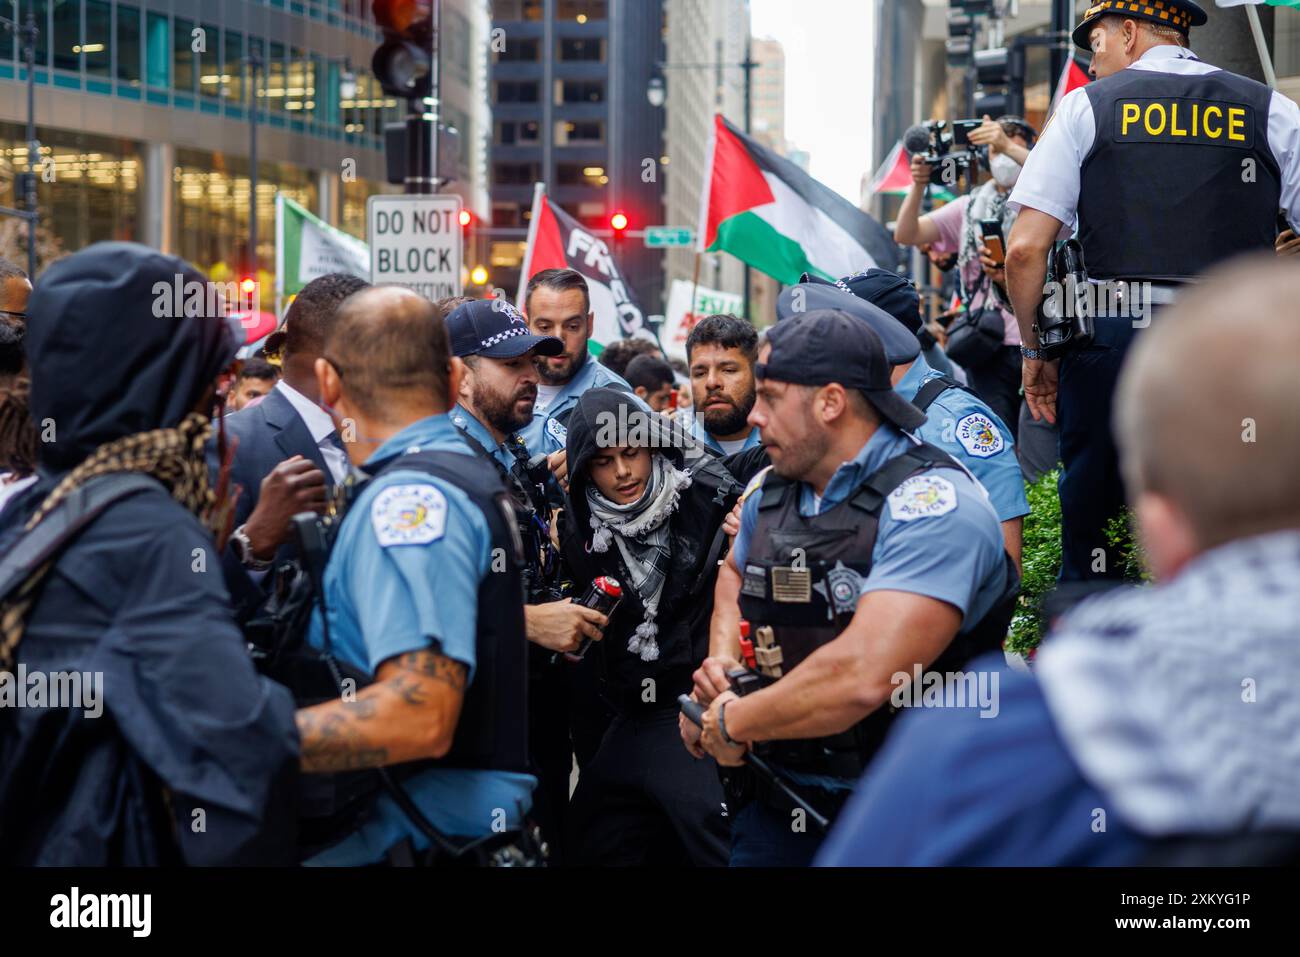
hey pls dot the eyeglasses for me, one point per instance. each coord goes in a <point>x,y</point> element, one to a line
<point>16,315</point>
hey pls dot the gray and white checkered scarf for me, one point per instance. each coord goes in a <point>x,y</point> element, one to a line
<point>1181,702</point>
<point>641,531</point>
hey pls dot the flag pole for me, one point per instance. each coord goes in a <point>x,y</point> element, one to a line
<point>539,193</point>
<point>1270,77</point>
<point>695,282</point>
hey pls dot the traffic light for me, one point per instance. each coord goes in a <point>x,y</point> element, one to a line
<point>618,223</point>
<point>403,64</point>
<point>466,219</point>
<point>479,276</point>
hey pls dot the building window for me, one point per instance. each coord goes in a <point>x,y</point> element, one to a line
<point>518,132</point>
<point>300,94</point>
<point>40,10</point>
<point>183,56</point>
<point>158,49</point>
<point>97,46</point>
<point>516,174</point>
<point>232,67</point>
<point>582,49</point>
<point>579,132</point>
<point>506,214</point>
<point>509,91</point>
<point>67,35</point>
<point>580,91</point>
<point>580,174</point>
<point>128,44</point>
<point>520,50</point>
<point>274,93</point>
<point>518,10</point>
<point>210,62</point>
<point>580,10</point>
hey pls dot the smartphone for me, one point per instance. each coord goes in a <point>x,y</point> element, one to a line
<point>991,231</point>
<point>961,130</point>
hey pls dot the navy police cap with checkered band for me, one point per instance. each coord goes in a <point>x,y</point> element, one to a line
<point>496,329</point>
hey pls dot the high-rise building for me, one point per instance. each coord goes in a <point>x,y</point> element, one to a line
<point>706,45</point>
<point>769,94</point>
<point>142,113</point>
<point>569,82</point>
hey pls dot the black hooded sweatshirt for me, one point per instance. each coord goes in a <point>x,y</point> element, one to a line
<point>686,604</point>
<point>194,757</point>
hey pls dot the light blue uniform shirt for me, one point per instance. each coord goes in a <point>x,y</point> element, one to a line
<point>464,420</point>
<point>969,431</point>
<point>544,434</point>
<point>397,583</point>
<point>938,536</point>
<point>703,437</point>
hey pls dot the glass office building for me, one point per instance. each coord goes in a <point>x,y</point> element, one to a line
<point>142,112</point>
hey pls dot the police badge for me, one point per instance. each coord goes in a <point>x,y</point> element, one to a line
<point>841,589</point>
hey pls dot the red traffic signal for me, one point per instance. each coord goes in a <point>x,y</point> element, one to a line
<point>618,223</point>
<point>466,219</point>
<point>248,285</point>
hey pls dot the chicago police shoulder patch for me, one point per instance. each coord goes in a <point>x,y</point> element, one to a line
<point>557,431</point>
<point>979,436</point>
<point>922,496</point>
<point>409,515</point>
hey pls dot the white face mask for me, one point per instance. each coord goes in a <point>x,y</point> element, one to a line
<point>1005,170</point>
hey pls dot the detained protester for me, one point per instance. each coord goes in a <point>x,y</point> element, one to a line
<point>957,420</point>
<point>862,556</point>
<point>423,606</point>
<point>992,367</point>
<point>720,353</point>
<point>646,508</point>
<point>653,381</point>
<point>180,728</point>
<point>496,399</point>
<point>1159,726</point>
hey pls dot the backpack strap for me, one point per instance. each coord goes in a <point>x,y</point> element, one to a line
<point>872,493</point>
<point>58,529</point>
<point>932,389</point>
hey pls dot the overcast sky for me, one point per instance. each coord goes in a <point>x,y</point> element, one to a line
<point>828,53</point>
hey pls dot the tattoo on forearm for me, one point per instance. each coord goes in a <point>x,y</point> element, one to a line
<point>435,666</point>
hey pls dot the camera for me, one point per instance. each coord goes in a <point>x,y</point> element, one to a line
<point>946,146</point>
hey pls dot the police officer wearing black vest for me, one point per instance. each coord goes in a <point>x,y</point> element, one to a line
<point>863,558</point>
<point>1169,165</point>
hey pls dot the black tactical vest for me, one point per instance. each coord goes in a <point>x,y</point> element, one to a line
<point>685,606</point>
<point>802,579</point>
<point>1180,174</point>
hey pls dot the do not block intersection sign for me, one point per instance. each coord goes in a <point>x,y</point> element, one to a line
<point>416,242</point>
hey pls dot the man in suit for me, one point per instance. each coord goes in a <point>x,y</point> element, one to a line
<point>288,456</point>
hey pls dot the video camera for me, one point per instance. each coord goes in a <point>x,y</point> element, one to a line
<point>947,147</point>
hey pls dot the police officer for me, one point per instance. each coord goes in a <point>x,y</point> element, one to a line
<point>957,420</point>
<point>862,557</point>
<point>496,399</point>
<point>1169,165</point>
<point>423,596</point>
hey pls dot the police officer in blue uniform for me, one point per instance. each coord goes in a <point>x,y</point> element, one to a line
<point>423,597</point>
<point>558,303</point>
<point>496,399</point>
<point>957,420</point>
<point>862,557</point>
<point>1168,165</point>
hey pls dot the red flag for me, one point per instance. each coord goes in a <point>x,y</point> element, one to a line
<point>1072,77</point>
<point>558,241</point>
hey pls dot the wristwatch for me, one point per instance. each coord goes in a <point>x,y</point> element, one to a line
<point>722,725</point>
<point>1032,353</point>
<point>243,547</point>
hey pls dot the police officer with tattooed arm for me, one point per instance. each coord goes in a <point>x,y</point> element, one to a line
<point>423,600</point>
<point>862,557</point>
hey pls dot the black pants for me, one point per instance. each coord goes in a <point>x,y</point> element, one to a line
<point>998,383</point>
<point>552,753</point>
<point>1092,492</point>
<point>644,801</point>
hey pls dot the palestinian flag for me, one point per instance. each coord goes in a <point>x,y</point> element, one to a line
<point>1072,77</point>
<point>558,241</point>
<point>894,177</point>
<point>769,213</point>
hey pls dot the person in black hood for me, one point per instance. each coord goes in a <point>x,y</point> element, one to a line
<point>646,505</point>
<point>169,748</point>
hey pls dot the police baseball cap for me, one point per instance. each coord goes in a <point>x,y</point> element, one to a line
<point>496,329</point>
<point>881,287</point>
<point>901,346</point>
<point>1180,14</point>
<point>830,345</point>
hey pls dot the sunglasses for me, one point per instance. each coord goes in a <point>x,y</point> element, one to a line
<point>16,315</point>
